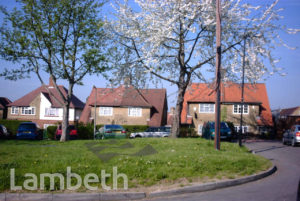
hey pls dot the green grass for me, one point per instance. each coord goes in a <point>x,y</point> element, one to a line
<point>146,162</point>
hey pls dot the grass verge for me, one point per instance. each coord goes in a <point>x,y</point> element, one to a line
<point>146,162</point>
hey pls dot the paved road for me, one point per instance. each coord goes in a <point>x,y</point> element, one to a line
<point>283,185</point>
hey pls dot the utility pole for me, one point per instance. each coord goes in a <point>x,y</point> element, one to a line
<point>95,115</point>
<point>242,95</point>
<point>218,76</point>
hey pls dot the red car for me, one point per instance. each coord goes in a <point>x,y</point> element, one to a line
<point>72,132</point>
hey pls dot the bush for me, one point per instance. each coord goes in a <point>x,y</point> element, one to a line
<point>85,131</point>
<point>11,125</point>
<point>51,132</point>
<point>187,132</point>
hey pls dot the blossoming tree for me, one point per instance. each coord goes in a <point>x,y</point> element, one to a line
<point>174,41</point>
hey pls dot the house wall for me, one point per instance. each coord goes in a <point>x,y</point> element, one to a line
<point>44,103</point>
<point>226,115</point>
<point>1,114</point>
<point>120,116</point>
<point>41,103</point>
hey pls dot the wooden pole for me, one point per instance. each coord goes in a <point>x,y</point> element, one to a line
<point>218,76</point>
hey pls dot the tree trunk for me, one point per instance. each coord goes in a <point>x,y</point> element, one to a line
<point>178,110</point>
<point>66,109</point>
<point>65,123</point>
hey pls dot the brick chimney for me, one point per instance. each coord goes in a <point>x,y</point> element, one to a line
<point>51,82</point>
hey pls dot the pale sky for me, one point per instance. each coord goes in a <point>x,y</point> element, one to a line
<point>283,92</point>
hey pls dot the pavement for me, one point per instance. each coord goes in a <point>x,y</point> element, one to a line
<point>282,185</point>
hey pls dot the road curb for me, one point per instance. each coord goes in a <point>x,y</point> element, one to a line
<point>213,185</point>
<point>133,195</point>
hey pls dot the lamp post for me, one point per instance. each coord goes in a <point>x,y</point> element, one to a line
<point>95,113</point>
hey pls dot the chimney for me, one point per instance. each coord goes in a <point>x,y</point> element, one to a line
<point>128,81</point>
<point>51,82</point>
<point>172,110</point>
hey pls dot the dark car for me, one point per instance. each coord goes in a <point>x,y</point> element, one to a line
<point>73,134</point>
<point>29,130</point>
<point>4,134</point>
<point>111,131</point>
<point>208,131</point>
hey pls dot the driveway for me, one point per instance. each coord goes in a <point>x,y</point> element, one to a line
<point>283,185</point>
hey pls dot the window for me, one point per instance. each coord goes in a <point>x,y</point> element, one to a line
<point>135,112</point>
<point>106,111</point>
<point>28,111</point>
<point>51,112</point>
<point>14,110</point>
<point>244,129</point>
<point>237,109</point>
<point>200,126</point>
<point>207,108</point>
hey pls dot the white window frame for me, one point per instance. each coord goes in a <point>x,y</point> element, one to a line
<point>134,112</point>
<point>244,129</point>
<point>24,109</point>
<point>207,105</point>
<point>106,111</point>
<point>238,109</point>
<point>200,126</point>
<point>14,110</point>
<point>51,112</point>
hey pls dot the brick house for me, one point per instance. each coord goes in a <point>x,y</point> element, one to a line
<point>199,106</point>
<point>126,105</point>
<point>41,107</point>
<point>3,107</point>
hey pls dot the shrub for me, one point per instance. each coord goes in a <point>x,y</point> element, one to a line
<point>187,132</point>
<point>85,131</point>
<point>51,132</point>
<point>11,125</point>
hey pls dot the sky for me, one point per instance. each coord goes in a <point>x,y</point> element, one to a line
<point>283,91</point>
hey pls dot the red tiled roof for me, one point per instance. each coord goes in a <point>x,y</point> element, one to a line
<point>295,111</point>
<point>127,97</point>
<point>28,98</point>
<point>4,102</point>
<point>230,93</point>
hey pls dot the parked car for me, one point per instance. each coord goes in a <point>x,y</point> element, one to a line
<point>29,130</point>
<point>292,136</point>
<point>4,134</point>
<point>111,131</point>
<point>153,132</point>
<point>208,130</point>
<point>73,134</point>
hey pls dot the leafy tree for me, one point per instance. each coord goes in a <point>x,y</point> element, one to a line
<point>174,41</point>
<point>63,38</point>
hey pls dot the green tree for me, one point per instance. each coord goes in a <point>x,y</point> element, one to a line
<point>63,38</point>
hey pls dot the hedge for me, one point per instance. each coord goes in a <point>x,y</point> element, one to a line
<point>51,132</point>
<point>11,125</point>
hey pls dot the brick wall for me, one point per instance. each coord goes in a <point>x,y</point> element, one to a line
<point>226,115</point>
<point>120,116</point>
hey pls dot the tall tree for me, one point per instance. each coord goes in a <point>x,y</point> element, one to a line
<point>174,41</point>
<point>63,38</point>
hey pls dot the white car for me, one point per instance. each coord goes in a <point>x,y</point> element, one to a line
<point>153,132</point>
<point>292,136</point>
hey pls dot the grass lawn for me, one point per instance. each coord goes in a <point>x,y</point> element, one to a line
<point>146,162</point>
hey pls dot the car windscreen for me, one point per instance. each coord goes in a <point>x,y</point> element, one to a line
<point>223,125</point>
<point>298,128</point>
<point>113,127</point>
<point>27,127</point>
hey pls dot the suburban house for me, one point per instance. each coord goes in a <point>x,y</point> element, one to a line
<point>126,105</point>
<point>286,118</point>
<point>42,107</point>
<point>3,107</point>
<point>199,106</point>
